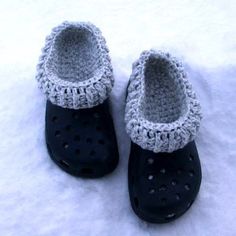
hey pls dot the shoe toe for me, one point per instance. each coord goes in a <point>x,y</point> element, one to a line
<point>163,186</point>
<point>81,142</point>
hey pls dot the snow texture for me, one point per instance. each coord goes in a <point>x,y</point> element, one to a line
<point>36,197</point>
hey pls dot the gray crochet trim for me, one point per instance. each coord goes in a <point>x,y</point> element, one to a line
<point>74,70</point>
<point>162,112</point>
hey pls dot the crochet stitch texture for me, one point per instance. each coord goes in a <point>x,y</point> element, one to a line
<point>74,69</point>
<point>162,112</point>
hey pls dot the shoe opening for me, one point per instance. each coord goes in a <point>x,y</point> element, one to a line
<point>75,55</point>
<point>164,99</point>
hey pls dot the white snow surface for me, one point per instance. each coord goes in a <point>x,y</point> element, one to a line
<point>36,197</point>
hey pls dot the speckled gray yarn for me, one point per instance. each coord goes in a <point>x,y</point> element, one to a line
<point>74,70</point>
<point>162,112</point>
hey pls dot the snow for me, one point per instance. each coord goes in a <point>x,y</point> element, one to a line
<point>36,197</point>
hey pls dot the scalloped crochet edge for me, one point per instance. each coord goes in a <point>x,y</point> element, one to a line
<point>160,137</point>
<point>81,94</point>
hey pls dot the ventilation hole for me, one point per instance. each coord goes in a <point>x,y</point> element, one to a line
<point>150,161</point>
<point>98,128</point>
<point>150,177</point>
<point>187,187</point>
<point>179,171</point>
<point>68,128</point>
<point>163,187</point>
<point>174,182</point>
<point>163,200</point>
<point>92,153</point>
<point>54,118</point>
<point>191,173</point>
<point>190,157</point>
<point>100,141</point>
<point>163,171</point>
<point>57,133</point>
<point>75,116</point>
<point>86,171</point>
<point>170,216</point>
<point>77,151</point>
<point>77,138</point>
<point>151,191</point>
<point>177,196</point>
<point>136,203</point>
<point>64,163</point>
<point>96,115</point>
<point>65,145</point>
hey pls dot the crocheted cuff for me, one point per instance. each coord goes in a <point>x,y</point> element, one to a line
<point>162,112</point>
<point>74,70</point>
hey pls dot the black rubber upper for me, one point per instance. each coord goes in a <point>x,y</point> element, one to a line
<point>82,142</point>
<point>163,186</point>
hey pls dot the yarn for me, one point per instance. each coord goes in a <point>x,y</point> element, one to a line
<point>74,69</point>
<point>162,112</point>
